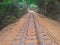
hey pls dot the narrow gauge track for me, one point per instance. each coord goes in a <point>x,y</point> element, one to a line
<point>32,34</point>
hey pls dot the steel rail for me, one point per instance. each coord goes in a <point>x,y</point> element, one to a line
<point>37,26</point>
<point>37,29</point>
<point>25,28</point>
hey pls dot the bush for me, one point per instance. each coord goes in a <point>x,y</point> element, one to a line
<point>9,13</point>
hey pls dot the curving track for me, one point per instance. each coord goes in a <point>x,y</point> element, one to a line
<point>33,34</point>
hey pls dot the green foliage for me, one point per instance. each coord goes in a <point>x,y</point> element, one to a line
<point>9,19</point>
<point>10,10</point>
<point>50,8</point>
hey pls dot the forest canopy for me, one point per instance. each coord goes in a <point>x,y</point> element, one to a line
<point>10,10</point>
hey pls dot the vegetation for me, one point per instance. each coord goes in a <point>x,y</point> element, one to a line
<point>50,8</point>
<point>10,10</point>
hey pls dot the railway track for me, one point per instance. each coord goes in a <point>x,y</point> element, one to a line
<point>32,34</point>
